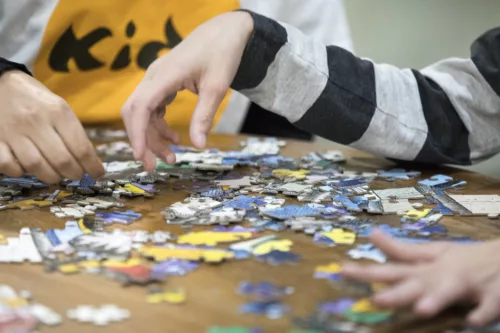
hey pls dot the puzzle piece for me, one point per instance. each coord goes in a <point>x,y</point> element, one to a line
<point>367,251</point>
<point>417,214</point>
<point>250,245</point>
<point>212,238</point>
<point>396,174</point>
<point>338,307</point>
<point>340,236</point>
<point>102,316</point>
<point>267,146</point>
<point>282,245</point>
<point>23,182</point>
<point>103,244</point>
<point>396,206</point>
<point>436,180</point>
<point>9,192</point>
<point>194,254</point>
<point>347,203</point>
<point>149,177</point>
<point>20,249</point>
<point>190,207</point>
<point>264,290</point>
<point>399,193</point>
<point>294,189</point>
<point>243,181</point>
<point>157,295</point>
<point>72,211</point>
<point>132,271</point>
<point>315,196</point>
<point>93,203</point>
<point>134,190</point>
<point>289,211</point>
<point>307,224</point>
<point>27,203</point>
<point>285,173</point>
<point>127,217</point>
<point>271,309</point>
<point>276,257</point>
<point>61,236</point>
<point>173,267</point>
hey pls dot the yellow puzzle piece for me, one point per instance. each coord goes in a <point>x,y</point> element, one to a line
<point>135,190</point>
<point>164,253</point>
<point>340,236</point>
<point>285,173</point>
<point>212,238</point>
<point>69,268</point>
<point>417,214</point>
<point>282,245</point>
<point>3,240</point>
<point>27,204</point>
<point>330,268</point>
<point>177,296</point>
<point>364,305</point>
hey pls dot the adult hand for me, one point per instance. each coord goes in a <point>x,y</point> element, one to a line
<point>431,277</point>
<point>40,134</point>
<point>205,63</point>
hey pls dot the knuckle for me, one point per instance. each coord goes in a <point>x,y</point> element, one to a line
<point>64,163</point>
<point>32,164</point>
<point>84,153</point>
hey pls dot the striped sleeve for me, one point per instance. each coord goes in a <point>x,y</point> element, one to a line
<point>446,113</point>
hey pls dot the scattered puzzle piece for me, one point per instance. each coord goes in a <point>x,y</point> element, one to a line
<point>340,236</point>
<point>194,254</point>
<point>282,245</point>
<point>396,174</point>
<point>436,180</point>
<point>212,238</point>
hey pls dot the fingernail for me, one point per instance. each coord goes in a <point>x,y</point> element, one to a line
<point>201,140</point>
<point>171,159</point>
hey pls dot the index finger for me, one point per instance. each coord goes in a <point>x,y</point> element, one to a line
<point>74,137</point>
<point>136,113</point>
<point>402,251</point>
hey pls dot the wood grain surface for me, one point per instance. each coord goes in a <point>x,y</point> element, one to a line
<point>211,290</point>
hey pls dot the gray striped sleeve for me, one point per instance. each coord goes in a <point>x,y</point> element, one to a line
<point>448,113</point>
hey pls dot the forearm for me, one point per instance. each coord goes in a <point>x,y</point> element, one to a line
<point>401,114</point>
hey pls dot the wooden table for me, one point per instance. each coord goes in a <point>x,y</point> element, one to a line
<point>211,296</point>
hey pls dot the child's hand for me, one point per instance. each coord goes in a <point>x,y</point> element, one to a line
<point>431,277</point>
<point>205,63</point>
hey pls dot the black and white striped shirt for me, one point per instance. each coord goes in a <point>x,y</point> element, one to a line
<point>448,112</point>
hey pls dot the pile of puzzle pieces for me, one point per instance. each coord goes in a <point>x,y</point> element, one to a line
<point>249,199</point>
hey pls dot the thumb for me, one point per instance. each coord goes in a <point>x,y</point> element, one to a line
<point>209,100</point>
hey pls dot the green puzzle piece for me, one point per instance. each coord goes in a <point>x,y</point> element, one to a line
<point>367,318</point>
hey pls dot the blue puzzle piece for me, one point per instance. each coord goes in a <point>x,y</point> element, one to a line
<point>350,182</point>
<point>274,161</point>
<point>127,217</point>
<point>434,229</point>
<point>24,182</point>
<point>278,257</point>
<point>290,211</point>
<point>398,174</point>
<point>436,180</point>
<point>146,187</point>
<point>271,309</point>
<point>264,290</point>
<point>243,202</point>
<point>83,185</point>
<point>62,236</point>
<point>347,203</point>
<point>322,240</point>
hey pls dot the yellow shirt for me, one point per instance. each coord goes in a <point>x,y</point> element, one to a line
<point>94,53</point>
